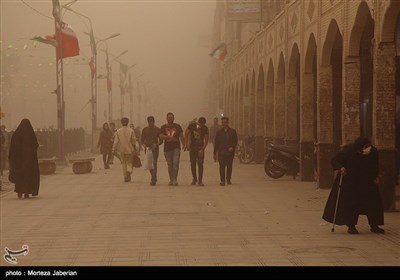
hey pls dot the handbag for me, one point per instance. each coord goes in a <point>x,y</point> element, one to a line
<point>136,161</point>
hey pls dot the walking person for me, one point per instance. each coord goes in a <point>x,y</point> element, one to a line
<point>172,135</point>
<point>150,139</point>
<point>105,144</point>
<point>196,143</point>
<point>359,195</point>
<point>113,130</point>
<point>213,129</point>
<point>224,150</point>
<point>24,166</point>
<point>125,144</point>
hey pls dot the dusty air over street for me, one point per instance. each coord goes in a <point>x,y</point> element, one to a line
<point>199,133</point>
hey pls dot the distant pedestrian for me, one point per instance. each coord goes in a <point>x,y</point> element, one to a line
<point>359,195</point>
<point>172,135</point>
<point>224,150</point>
<point>105,144</point>
<point>213,130</point>
<point>113,130</point>
<point>150,139</point>
<point>24,166</point>
<point>125,144</point>
<point>196,143</point>
<point>4,147</point>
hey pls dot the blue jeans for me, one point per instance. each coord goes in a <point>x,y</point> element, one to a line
<point>172,158</point>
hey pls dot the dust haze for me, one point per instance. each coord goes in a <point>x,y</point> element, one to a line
<point>169,42</point>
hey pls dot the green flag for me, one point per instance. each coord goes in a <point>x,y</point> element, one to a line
<point>49,39</point>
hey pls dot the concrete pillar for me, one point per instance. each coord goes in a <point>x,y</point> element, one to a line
<point>279,118</point>
<point>259,139</point>
<point>269,112</point>
<point>325,148</point>
<point>351,100</point>
<point>307,157</point>
<point>384,128</point>
<point>291,109</point>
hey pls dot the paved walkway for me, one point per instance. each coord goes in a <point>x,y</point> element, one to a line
<point>97,219</point>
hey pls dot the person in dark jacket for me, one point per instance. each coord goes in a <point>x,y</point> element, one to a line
<point>24,166</point>
<point>225,143</point>
<point>359,195</point>
<point>105,144</point>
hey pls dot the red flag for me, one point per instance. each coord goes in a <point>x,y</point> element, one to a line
<point>70,45</point>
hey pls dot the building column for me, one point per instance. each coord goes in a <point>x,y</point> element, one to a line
<point>279,118</point>
<point>325,148</point>
<point>307,158</point>
<point>291,112</point>
<point>351,100</point>
<point>384,127</point>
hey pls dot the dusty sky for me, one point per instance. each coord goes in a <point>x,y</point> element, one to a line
<point>168,40</point>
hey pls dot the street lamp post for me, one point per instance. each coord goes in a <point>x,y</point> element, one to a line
<point>130,90</point>
<point>123,77</point>
<point>109,80</point>
<point>94,45</point>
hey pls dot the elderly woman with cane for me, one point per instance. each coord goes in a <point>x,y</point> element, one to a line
<point>355,190</point>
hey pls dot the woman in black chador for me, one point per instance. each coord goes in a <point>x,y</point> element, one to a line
<point>24,167</point>
<point>358,164</point>
<point>105,144</point>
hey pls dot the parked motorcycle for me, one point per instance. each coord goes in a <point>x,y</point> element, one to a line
<point>245,149</point>
<point>281,159</point>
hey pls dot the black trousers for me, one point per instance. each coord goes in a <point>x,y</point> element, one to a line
<point>106,159</point>
<point>153,172</point>
<point>195,159</point>
<point>225,162</point>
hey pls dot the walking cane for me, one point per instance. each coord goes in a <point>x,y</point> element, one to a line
<point>337,202</point>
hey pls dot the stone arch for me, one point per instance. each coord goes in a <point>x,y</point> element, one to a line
<point>246,109</point>
<point>293,98</point>
<point>308,111</point>
<point>359,77</point>
<point>259,139</point>
<point>269,101</point>
<point>279,111</point>
<point>389,21</point>
<point>331,37</point>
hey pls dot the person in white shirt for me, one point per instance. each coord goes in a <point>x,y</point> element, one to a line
<point>125,145</point>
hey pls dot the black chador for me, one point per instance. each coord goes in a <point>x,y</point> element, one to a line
<point>24,167</point>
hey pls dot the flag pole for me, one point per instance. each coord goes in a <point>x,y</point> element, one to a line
<point>60,81</point>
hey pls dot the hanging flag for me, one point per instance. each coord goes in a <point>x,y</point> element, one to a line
<point>92,67</point>
<point>70,45</point>
<point>219,52</point>
<point>49,39</point>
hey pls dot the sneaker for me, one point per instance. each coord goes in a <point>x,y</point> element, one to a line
<point>175,183</point>
<point>352,230</point>
<point>376,229</point>
<point>194,182</point>
<point>201,184</point>
<point>229,183</point>
<point>222,184</point>
<point>152,183</point>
